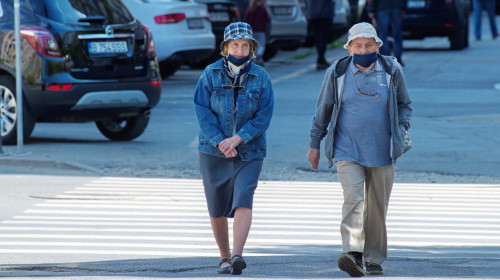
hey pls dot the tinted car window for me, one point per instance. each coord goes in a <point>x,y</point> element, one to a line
<point>70,11</point>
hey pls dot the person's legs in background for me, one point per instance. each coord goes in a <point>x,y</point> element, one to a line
<point>321,28</point>
<point>478,12</point>
<point>383,31</point>
<point>396,20</point>
<point>490,9</point>
<point>259,53</point>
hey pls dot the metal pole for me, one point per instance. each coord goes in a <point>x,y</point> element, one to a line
<point>1,127</point>
<point>1,108</point>
<point>19,88</point>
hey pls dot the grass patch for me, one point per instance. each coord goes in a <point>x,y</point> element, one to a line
<point>310,51</point>
<point>303,55</point>
<point>337,43</point>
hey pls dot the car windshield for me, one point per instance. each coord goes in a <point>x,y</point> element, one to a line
<point>71,11</point>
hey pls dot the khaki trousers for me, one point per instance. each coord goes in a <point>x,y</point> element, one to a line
<point>366,198</point>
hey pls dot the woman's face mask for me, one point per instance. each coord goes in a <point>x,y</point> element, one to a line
<point>237,61</point>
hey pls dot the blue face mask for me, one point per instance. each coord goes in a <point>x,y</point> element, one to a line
<point>237,61</point>
<point>365,60</point>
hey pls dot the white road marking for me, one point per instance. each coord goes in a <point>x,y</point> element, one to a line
<point>168,217</point>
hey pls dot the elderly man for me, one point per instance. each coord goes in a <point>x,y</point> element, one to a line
<point>365,103</point>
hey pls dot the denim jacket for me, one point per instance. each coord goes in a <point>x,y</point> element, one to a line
<point>215,110</point>
<point>328,106</point>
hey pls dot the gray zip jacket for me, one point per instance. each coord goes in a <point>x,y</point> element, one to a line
<point>329,102</point>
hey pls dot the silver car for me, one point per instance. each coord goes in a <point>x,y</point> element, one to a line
<point>288,24</point>
<point>342,20</point>
<point>288,28</point>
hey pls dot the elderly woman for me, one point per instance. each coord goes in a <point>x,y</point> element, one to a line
<point>234,105</point>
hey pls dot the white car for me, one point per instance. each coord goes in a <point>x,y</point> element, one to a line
<point>181,30</point>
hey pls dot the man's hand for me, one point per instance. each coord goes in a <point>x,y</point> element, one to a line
<point>313,157</point>
<point>228,146</point>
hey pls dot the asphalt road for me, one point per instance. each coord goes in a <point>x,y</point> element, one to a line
<point>456,96</point>
<point>69,227</point>
<point>75,206</point>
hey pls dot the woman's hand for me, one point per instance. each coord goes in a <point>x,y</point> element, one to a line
<point>228,146</point>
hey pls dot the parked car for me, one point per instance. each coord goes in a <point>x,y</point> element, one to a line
<point>222,13</point>
<point>438,18</point>
<point>358,11</point>
<point>288,25</point>
<point>181,28</point>
<point>242,6</point>
<point>342,20</point>
<point>81,61</point>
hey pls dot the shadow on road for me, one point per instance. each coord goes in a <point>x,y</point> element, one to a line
<point>316,262</point>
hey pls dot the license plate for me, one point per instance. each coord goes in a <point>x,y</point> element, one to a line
<point>416,4</point>
<point>112,47</point>
<point>195,23</point>
<point>283,11</point>
<point>219,16</point>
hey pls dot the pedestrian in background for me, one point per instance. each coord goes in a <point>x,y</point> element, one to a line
<point>234,103</point>
<point>478,7</point>
<point>364,112</point>
<point>258,18</point>
<point>385,14</point>
<point>320,17</point>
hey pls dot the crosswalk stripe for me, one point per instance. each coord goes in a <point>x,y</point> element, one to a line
<point>168,217</point>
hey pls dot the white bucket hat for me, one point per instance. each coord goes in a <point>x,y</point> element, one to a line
<point>362,29</point>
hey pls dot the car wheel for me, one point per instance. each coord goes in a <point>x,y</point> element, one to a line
<point>459,40</point>
<point>124,129</point>
<point>9,108</point>
<point>168,68</point>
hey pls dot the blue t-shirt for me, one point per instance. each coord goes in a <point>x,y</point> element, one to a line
<point>363,131</point>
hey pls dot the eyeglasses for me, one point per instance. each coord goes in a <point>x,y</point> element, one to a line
<point>365,93</point>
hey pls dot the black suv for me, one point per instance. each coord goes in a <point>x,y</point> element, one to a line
<point>82,60</point>
<point>438,18</point>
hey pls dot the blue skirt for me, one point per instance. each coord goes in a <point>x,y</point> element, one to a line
<point>228,183</point>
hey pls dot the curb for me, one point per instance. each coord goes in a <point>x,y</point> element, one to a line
<point>30,165</point>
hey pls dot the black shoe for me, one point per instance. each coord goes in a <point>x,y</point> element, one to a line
<point>224,270</point>
<point>237,264</point>
<point>373,268</point>
<point>322,66</point>
<point>352,263</point>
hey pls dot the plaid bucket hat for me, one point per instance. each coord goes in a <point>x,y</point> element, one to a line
<point>239,30</point>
